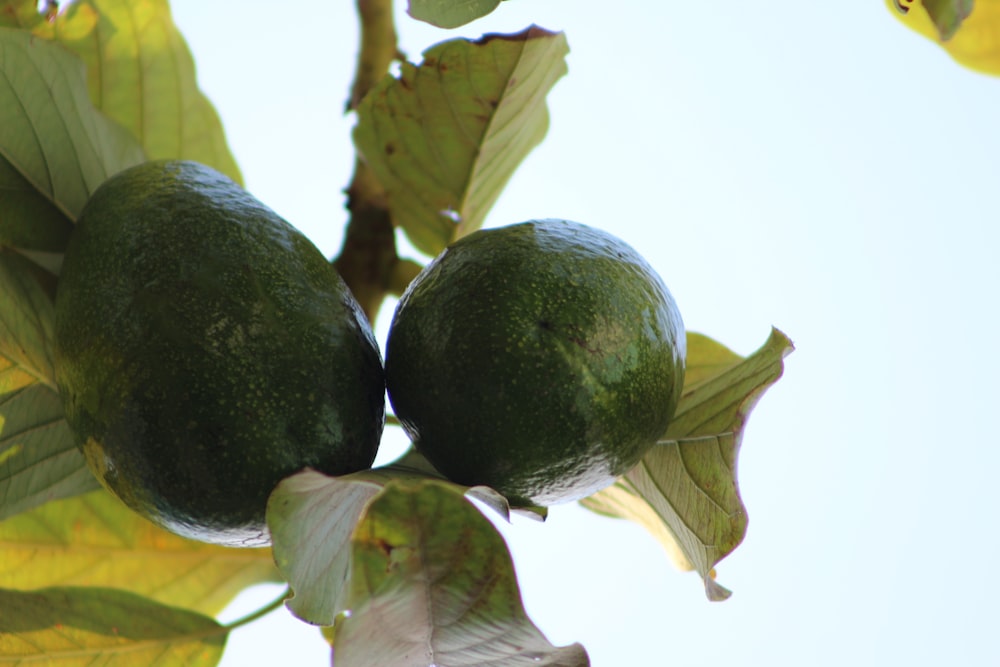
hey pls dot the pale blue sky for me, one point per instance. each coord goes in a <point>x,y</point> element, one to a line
<point>812,166</point>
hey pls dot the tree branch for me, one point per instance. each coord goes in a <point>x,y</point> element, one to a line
<point>368,258</point>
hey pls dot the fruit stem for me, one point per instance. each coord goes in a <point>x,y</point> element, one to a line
<point>263,611</point>
<point>368,258</point>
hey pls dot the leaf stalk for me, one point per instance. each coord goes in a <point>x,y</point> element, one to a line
<point>260,613</point>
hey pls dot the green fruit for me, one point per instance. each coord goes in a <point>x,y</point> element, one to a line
<point>205,349</point>
<point>541,359</point>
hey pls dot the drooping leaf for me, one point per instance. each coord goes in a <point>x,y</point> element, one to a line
<point>968,30</point>
<point>450,13</point>
<point>685,490</point>
<point>685,494</point>
<point>445,137</point>
<point>311,517</point>
<point>70,627</point>
<point>94,540</point>
<point>432,583</point>
<point>26,320</point>
<point>50,133</point>
<point>39,460</point>
<point>141,74</point>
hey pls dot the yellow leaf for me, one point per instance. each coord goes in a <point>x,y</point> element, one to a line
<point>12,378</point>
<point>976,44</point>
<point>706,358</point>
<point>141,73</point>
<point>70,627</point>
<point>619,501</point>
<point>94,540</point>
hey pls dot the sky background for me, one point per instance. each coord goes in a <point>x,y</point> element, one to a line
<point>811,166</point>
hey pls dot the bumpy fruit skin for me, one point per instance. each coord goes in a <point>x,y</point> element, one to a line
<point>205,349</point>
<point>542,359</point>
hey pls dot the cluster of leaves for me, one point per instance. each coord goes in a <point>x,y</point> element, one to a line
<point>397,552</point>
<point>969,30</point>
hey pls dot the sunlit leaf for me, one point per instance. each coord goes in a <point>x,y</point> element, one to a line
<point>39,460</point>
<point>968,30</point>
<point>141,74</point>
<point>722,403</point>
<point>70,627</point>
<point>445,137</point>
<point>450,13</point>
<point>53,138</point>
<point>12,378</point>
<point>685,490</point>
<point>706,358</point>
<point>432,583</point>
<point>94,540</point>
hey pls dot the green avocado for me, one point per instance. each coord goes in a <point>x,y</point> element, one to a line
<point>542,359</point>
<point>206,349</point>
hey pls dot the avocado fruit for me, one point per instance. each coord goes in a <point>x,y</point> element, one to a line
<point>542,359</point>
<point>206,349</point>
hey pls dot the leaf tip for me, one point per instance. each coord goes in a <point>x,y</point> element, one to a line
<point>715,591</point>
<point>778,338</point>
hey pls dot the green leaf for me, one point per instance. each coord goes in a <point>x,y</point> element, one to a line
<point>67,627</point>
<point>141,74</point>
<point>685,491</point>
<point>445,137</point>
<point>39,460</point>
<point>94,540</point>
<point>51,135</point>
<point>948,15</point>
<point>26,321</point>
<point>432,583</point>
<point>450,13</point>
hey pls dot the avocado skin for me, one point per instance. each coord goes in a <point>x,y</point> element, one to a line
<point>206,349</point>
<point>542,359</point>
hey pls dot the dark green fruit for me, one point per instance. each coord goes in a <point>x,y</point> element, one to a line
<point>542,359</point>
<point>205,349</point>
